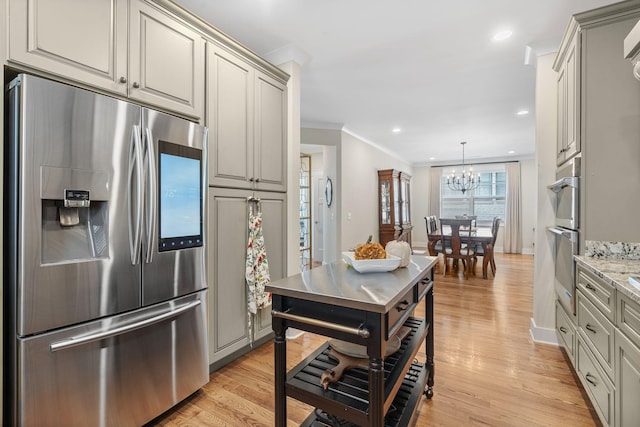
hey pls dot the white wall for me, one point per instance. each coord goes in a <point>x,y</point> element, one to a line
<point>359,188</point>
<point>543,321</point>
<point>293,172</point>
<point>420,207</point>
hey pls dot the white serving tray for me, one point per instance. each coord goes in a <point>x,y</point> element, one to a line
<point>371,265</point>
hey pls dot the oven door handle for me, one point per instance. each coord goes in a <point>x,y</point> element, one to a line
<point>568,234</point>
<point>559,185</point>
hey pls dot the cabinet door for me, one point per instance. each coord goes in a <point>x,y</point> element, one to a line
<point>228,233</point>
<point>270,161</point>
<point>274,227</point>
<point>229,118</point>
<point>561,141</point>
<point>627,382</point>
<point>572,116</point>
<point>166,65</point>
<point>228,327</point>
<point>82,40</point>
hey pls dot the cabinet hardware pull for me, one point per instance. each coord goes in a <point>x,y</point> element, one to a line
<point>591,379</point>
<point>257,179</point>
<point>360,331</point>
<point>590,328</point>
<point>136,85</point>
<point>563,329</point>
<point>123,79</point>
<point>590,287</point>
<point>403,305</point>
<point>251,179</point>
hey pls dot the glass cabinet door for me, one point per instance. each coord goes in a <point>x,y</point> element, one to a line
<point>385,201</point>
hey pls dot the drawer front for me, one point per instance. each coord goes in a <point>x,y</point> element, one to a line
<point>400,312</point>
<point>601,294</point>
<point>629,318</point>
<point>565,330</point>
<point>423,286</point>
<point>598,332</point>
<point>598,386</point>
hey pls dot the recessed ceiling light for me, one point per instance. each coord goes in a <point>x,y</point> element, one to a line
<point>432,158</point>
<point>396,130</point>
<point>522,112</point>
<point>502,35</point>
<point>511,152</point>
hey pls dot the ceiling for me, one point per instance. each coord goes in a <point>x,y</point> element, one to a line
<point>427,67</point>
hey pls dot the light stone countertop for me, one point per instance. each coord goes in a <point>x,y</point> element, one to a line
<point>607,261</point>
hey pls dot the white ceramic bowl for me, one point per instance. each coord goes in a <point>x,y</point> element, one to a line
<point>389,263</point>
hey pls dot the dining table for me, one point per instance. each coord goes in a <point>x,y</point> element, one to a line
<point>479,235</point>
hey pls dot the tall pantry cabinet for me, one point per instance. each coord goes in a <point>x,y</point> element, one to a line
<point>246,116</point>
<point>158,54</point>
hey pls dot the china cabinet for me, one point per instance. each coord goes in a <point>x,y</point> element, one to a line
<point>394,194</point>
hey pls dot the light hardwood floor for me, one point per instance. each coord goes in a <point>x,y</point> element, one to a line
<point>488,371</point>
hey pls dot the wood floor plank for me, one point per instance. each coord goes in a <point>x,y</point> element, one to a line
<point>488,372</point>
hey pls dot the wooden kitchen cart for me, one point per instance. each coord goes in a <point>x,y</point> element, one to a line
<point>362,308</point>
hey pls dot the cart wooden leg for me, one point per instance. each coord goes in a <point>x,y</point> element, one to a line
<point>376,392</point>
<point>280,364</point>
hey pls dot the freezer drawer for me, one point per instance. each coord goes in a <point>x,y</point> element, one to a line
<point>119,371</point>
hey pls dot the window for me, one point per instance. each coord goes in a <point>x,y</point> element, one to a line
<point>485,202</point>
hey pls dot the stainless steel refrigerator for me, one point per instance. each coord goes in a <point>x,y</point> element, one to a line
<point>105,280</point>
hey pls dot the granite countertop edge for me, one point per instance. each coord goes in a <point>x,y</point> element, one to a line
<point>614,271</point>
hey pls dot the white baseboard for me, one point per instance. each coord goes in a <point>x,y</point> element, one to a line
<point>542,335</point>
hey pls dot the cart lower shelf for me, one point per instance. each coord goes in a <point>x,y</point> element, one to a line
<point>402,410</point>
<point>349,398</point>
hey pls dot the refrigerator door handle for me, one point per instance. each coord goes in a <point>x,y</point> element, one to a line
<point>85,339</point>
<point>152,194</point>
<point>135,168</point>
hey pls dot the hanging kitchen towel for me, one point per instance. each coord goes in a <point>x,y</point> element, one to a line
<point>257,271</point>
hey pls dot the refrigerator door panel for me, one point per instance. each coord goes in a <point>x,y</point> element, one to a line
<point>175,185</point>
<point>141,363</point>
<point>72,243</point>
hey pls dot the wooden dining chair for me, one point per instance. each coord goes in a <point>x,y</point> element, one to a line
<point>431,222</point>
<point>456,245</point>
<point>495,227</point>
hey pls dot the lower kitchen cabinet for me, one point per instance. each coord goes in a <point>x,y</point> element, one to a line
<point>595,381</point>
<point>566,330</point>
<point>627,382</point>
<point>229,334</point>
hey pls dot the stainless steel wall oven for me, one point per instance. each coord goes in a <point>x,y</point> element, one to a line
<point>566,229</point>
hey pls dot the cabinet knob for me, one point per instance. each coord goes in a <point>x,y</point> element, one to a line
<point>123,79</point>
<point>257,179</point>
<point>136,85</point>
<point>251,179</point>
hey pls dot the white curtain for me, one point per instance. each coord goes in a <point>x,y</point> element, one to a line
<point>434,191</point>
<point>513,212</point>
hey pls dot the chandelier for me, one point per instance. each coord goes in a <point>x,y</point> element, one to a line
<point>464,181</point>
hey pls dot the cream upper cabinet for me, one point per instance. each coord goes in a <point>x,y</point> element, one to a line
<point>246,116</point>
<point>166,61</point>
<point>80,40</point>
<point>130,48</point>
<point>568,119</point>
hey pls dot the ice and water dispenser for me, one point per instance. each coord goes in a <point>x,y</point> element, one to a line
<point>75,215</point>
